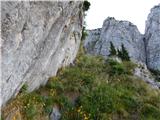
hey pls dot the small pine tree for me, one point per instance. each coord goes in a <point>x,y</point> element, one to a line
<point>119,53</point>
<point>112,51</point>
<point>86,5</point>
<point>124,54</point>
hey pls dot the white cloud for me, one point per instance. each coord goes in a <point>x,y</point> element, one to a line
<point>135,11</point>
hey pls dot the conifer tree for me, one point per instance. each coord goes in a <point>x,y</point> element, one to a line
<point>86,5</point>
<point>124,53</point>
<point>112,51</point>
<point>119,53</point>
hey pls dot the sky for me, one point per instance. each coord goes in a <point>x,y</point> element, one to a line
<point>135,11</point>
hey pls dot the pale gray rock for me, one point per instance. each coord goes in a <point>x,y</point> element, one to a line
<point>143,73</point>
<point>55,114</point>
<point>37,39</point>
<point>118,32</point>
<point>152,38</point>
<point>91,39</point>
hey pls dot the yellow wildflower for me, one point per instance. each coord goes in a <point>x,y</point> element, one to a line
<point>86,118</point>
<point>78,110</point>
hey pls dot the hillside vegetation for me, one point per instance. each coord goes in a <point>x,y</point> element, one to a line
<point>92,89</point>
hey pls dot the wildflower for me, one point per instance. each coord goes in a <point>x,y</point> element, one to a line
<point>81,112</point>
<point>14,118</point>
<point>85,118</point>
<point>78,110</point>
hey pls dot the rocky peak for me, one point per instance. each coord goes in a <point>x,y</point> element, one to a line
<point>119,32</point>
<point>144,48</point>
<point>152,38</point>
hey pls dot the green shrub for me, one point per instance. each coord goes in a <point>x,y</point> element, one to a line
<point>123,54</point>
<point>129,66</point>
<point>48,104</point>
<point>55,83</point>
<point>150,112</point>
<point>86,5</point>
<point>129,102</point>
<point>24,88</point>
<point>30,111</point>
<point>115,68</point>
<point>74,79</point>
<point>98,101</point>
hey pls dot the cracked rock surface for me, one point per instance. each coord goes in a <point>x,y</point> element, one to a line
<point>152,37</point>
<point>37,39</point>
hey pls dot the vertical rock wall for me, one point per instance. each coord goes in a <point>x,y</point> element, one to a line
<point>152,37</point>
<point>37,39</point>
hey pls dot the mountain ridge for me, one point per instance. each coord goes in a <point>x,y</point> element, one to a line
<point>141,47</point>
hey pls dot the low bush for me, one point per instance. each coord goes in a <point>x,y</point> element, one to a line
<point>30,111</point>
<point>116,68</point>
<point>24,89</point>
<point>150,112</point>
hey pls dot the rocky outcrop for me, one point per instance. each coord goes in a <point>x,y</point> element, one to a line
<point>92,37</point>
<point>144,48</point>
<point>55,114</point>
<point>152,37</point>
<point>37,39</point>
<point>119,32</point>
<point>143,73</point>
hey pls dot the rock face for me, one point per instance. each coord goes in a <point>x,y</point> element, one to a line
<point>152,37</point>
<point>92,37</point>
<point>143,73</point>
<point>119,32</point>
<point>37,39</point>
<point>144,48</point>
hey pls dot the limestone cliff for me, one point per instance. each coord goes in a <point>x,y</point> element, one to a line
<point>92,37</point>
<point>119,32</point>
<point>144,48</point>
<point>152,37</point>
<point>37,39</point>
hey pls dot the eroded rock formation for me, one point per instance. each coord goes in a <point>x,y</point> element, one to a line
<point>152,37</point>
<point>144,48</point>
<point>37,39</point>
<point>118,32</point>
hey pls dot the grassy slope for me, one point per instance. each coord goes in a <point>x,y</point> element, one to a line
<point>93,89</point>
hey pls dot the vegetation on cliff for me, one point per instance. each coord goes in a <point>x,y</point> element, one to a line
<point>92,89</point>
